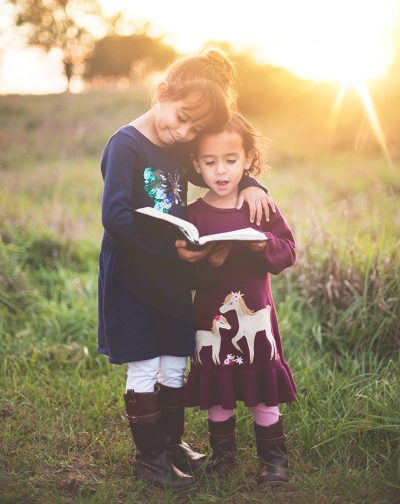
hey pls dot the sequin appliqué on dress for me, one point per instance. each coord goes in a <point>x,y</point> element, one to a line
<point>165,189</point>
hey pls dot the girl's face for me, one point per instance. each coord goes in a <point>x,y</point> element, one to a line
<point>222,161</point>
<point>179,120</point>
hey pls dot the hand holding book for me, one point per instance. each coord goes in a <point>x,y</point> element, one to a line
<point>257,246</point>
<point>191,233</point>
<point>189,254</point>
<point>218,254</point>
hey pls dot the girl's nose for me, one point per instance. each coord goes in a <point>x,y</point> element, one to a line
<point>220,168</point>
<point>182,132</point>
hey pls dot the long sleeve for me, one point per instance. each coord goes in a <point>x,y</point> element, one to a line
<point>279,252</point>
<point>119,166</point>
<point>250,182</point>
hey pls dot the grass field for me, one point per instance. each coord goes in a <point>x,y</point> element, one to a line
<point>63,435</point>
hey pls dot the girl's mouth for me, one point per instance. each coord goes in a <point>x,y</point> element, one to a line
<point>222,183</point>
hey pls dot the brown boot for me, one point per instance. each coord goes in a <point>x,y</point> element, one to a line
<point>272,453</point>
<point>173,414</point>
<point>223,444</point>
<point>148,432</point>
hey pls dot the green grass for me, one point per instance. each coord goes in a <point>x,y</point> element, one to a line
<point>63,435</point>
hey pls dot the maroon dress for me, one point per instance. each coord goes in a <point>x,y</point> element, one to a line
<point>239,352</point>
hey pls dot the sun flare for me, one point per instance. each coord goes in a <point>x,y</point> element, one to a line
<point>348,41</point>
<point>345,40</point>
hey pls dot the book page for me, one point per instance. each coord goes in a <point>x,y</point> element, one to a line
<point>246,234</point>
<point>187,228</point>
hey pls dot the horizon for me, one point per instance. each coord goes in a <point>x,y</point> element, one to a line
<point>308,48</point>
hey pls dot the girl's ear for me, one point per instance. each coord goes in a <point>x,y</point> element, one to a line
<point>162,91</point>
<point>195,163</point>
<point>249,159</point>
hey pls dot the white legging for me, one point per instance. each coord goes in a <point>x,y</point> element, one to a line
<point>167,369</point>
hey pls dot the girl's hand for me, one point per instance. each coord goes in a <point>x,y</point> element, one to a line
<point>255,246</point>
<point>218,254</point>
<point>258,201</point>
<point>191,255</point>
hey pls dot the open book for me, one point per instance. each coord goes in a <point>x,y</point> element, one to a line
<point>191,232</point>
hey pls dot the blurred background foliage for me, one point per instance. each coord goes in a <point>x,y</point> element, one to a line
<point>130,54</point>
<point>63,434</point>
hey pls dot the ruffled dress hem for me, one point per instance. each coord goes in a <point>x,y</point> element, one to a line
<point>224,385</point>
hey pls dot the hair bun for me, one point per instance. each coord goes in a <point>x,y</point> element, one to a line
<point>221,65</point>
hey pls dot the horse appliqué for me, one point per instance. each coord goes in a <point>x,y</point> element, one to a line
<point>211,338</point>
<point>250,323</point>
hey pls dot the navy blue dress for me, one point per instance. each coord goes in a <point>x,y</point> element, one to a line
<point>144,290</point>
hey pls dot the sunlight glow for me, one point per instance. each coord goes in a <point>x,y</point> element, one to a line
<point>372,116</point>
<point>321,40</point>
<point>346,40</point>
<point>332,119</point>
<point>350,41</point>
<point>373,119</point>
<point>44,71</point>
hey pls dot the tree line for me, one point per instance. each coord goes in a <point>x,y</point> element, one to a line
<point>263,89</point>
<point>61,24</point>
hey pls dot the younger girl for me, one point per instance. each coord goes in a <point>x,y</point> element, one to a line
<point>145,305</point>
<point>239,352</point>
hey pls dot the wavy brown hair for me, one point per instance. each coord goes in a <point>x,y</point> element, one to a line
<point>206,77</point>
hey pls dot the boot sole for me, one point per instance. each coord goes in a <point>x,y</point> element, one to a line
<point>164,485</point>
<point>272,483</point>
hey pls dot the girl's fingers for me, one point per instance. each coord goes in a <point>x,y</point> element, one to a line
<point>190,255</point>
<point>180,244</point>
<point>240,201</point>
<point>196,255</point>
<point>271,203</point>
<point>259,212</point>
<point>265,207</point>
<point>219,246</point>
<point>252,210</point>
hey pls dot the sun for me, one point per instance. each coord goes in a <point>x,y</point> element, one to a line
<point>348,41</point>
<point>351,43</point>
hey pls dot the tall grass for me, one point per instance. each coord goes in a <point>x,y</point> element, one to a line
<point>64,437</point>
<point>355,292</point>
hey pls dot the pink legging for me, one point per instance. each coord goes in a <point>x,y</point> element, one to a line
<point>262,414</point>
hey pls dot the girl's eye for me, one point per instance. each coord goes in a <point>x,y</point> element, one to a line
<point>208,163</point>
<point>231,161</point>
<point>181,119</point>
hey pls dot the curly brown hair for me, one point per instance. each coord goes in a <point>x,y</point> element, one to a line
<point>252,140</point>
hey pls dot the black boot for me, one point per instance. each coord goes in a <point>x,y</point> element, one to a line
<point>173,415</point>
<point>148,431</point>
<point>223,444</point>
<point>272,453</point>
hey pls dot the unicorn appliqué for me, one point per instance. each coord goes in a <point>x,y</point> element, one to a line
<point>212,338</point>
<point>250,322</point>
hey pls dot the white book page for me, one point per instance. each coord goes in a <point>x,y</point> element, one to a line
<point>187,228</point>
<point>246,234</point>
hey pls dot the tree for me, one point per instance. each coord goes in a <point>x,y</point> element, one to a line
<point>262,88</point>
<point>53,24</point>
<point>131,56</point>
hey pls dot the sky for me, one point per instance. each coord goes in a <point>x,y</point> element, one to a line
<point>315,39</point>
